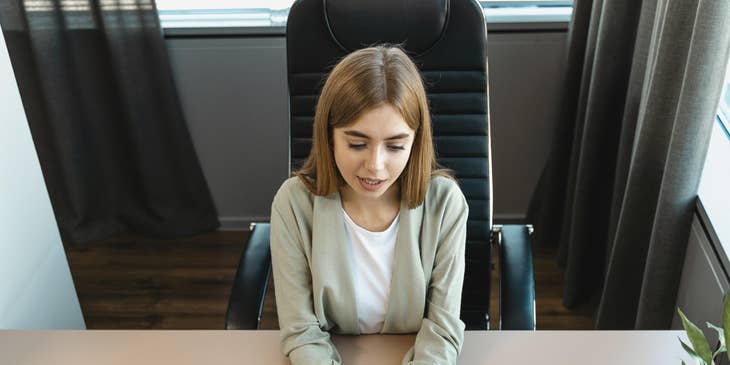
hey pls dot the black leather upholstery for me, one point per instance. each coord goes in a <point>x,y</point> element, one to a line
<point>252,277</point>
<point>450,50</point>
<point>451,53</point>
<point>419,24</point>
<point>517,289</point>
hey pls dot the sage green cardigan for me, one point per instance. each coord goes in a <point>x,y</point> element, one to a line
<point>314,284</point>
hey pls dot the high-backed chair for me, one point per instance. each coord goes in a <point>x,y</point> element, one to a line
<point>447,40</point>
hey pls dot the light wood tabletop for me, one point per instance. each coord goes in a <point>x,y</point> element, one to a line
<point>262,347</point>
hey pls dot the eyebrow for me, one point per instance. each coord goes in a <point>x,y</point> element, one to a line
<point>363,135</point>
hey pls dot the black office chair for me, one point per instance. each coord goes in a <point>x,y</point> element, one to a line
<point>447,40</point>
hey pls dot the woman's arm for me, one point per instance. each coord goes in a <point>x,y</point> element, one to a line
<point>442,332</point>
<point>302,340</point>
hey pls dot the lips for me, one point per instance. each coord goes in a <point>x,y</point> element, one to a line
<point>370,185</point>
<point>372,180</point>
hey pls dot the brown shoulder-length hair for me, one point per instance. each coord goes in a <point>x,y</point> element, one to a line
<point>364,80</point>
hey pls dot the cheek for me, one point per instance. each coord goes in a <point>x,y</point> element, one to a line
<point>344,159</point>
<point>399,163</point>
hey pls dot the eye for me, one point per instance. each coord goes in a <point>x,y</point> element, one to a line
<point>362,146</point>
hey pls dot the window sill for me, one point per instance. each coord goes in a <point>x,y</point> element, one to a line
<point>210,30</point>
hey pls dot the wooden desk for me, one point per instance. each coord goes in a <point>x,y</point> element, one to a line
<point>262,347</point>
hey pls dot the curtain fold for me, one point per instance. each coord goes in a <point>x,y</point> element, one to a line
<point>647,99</point>
<point>102,106</point>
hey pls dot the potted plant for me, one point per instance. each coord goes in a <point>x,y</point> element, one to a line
<point>700,350</point>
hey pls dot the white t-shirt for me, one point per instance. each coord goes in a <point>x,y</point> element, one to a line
<point>373,267</point>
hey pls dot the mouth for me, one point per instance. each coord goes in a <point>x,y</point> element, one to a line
<point>370,181</point>
<point>370,184</point>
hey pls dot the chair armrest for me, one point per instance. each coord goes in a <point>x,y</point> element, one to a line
<point>252,277</point>
<point>517,282</point>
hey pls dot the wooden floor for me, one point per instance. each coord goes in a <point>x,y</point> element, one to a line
<point>132,282</point>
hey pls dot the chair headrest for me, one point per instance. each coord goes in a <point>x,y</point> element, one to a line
<point>417,24</point>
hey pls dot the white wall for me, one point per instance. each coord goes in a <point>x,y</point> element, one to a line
<point>36,289</point>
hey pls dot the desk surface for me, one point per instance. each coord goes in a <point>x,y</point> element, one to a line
<point>262,347</point>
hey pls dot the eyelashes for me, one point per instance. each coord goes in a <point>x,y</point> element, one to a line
<point>362,146</point>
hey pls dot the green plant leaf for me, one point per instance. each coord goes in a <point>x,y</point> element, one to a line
<point>697,338</point>
<point>721,336</point>
<point>726,320</point>
<point>692,353</point>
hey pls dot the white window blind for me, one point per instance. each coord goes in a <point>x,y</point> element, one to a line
<point>273,13</point>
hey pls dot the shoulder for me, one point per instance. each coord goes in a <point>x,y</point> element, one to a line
<point>292,191</point>
<point>441,183</point>
<point>444,197</point>
<point>292,185</point>
<point>442,188</point>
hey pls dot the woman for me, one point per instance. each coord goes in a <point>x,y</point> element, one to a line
<point>369,236</point>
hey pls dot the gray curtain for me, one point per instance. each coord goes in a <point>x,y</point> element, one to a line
<point>105,117</point>
<point>643,80</point>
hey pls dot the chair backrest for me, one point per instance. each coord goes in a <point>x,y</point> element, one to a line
<point>447,40</point>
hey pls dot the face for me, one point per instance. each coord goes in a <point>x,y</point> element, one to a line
<point>372,152</point>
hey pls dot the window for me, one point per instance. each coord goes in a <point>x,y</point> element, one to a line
<point>714,189</point>
<point>223,13</point>
<point>520,11</point>
<point>273,13</point>
<point>723,112</point>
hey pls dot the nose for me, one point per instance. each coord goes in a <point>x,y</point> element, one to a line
<point>376,160</point>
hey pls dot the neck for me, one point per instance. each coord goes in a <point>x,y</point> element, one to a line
<point>368,207</point>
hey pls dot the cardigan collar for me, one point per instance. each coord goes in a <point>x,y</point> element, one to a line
<point>406,298</point>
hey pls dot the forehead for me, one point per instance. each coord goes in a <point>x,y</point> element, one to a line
<point>379,123</point>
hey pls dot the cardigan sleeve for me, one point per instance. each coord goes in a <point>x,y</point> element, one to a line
<point>302,339</point>
<point>442,332</point>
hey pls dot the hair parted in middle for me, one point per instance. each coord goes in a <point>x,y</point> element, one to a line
<point>362,81</point>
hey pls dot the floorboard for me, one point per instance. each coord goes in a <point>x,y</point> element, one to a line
<point>134,282</point>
